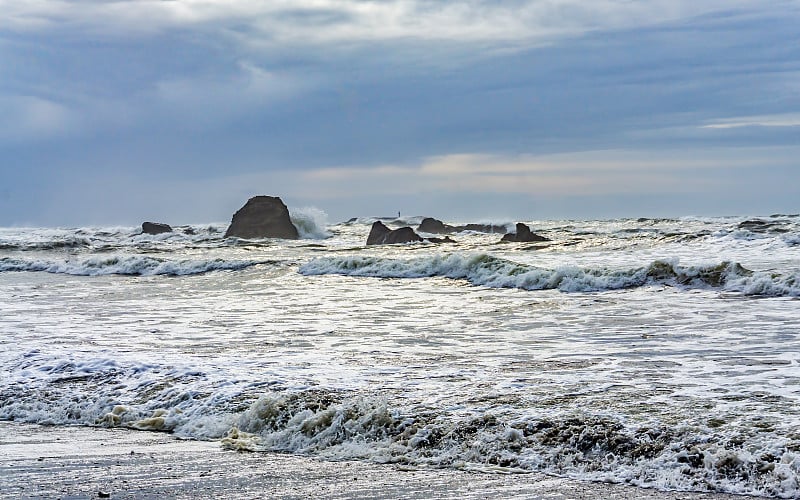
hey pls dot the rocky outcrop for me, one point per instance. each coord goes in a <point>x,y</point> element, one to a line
<point>155,228</point>
<point>435,226</point>
<point>523,234</point>
<point>262,217</point>
<point>485,228</point>
<point>382,235</point>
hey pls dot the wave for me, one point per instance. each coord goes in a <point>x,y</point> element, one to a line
<point>310,222</point>
<point>56,244</point>
<point>486,270</point>
<point>579,444</point>
<point>131,265</point>
<point>345,425</point>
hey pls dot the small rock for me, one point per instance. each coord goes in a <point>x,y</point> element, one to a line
<point>523,234</point>
<point>155,228</point>
<point>382,235</point>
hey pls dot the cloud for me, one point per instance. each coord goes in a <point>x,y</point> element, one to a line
<point>779,120</point>
<point>23,117</point>
<point>593,173</point>
<point>341,101</point>
<point>326,21</point>
<point>208,100</point>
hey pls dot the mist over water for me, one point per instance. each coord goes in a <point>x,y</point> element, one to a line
<point>663,353</point>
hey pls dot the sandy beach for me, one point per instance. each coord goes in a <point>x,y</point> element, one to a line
<point>82,462</point>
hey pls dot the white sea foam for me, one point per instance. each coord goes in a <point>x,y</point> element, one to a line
<point>135,265</point>
<point>310,222</point>
<point>486,270</point>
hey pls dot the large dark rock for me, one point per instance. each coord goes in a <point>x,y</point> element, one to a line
<point>155,228</point>
<point>523,234</point>
<point>382,235</point>
<point>262,217</point>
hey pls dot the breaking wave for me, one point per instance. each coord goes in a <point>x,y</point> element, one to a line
<point>486,270</point>
<point>346,425</point>
<point>132,265</point>
<point>310,222</point>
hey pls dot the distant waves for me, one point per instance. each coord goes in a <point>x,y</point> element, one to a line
<point>486,270</point>
<point>130,265</point>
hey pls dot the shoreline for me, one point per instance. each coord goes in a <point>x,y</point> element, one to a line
<point>86,462</point>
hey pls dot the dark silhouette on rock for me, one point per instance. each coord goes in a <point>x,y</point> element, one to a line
<point>382,235</point>
<point>523,234</point>
<point>262,217</point>
<point>435,226</point>
<point>155,228</point>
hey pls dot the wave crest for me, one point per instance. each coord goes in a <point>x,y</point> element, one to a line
<point>130,265</point>
<point>310,222</point>
<point>486,270</point>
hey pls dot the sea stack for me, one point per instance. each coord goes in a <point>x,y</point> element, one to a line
<point>262,217</point>
<point>382,235</point>
<point>523,235</point>
<point>155,228</point>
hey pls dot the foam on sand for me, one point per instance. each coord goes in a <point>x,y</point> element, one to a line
<point>79,462</point>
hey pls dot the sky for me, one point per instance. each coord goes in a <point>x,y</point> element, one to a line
<point>117,112</point>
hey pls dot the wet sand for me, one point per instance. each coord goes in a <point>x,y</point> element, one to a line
<point>81,462</point>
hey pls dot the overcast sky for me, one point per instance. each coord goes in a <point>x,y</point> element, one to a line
<point>178,111</point>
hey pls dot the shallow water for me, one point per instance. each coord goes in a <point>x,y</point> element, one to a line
<point>662,353</point>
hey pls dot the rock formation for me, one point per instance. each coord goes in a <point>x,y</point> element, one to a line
<point>523,234</point>
<point>155,228</point>
<point>262,217</point>
<point>382,235</point>
<point>435,226</point>
<point>485,228</point>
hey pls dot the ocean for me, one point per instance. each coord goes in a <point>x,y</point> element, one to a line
<point>662,353</point>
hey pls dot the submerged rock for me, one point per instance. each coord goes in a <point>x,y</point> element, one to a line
<point>155,228</point>
<point>446,239</point>
<point>762,226</point>
<point>486,228</point>
<point>523,234</point>
<point>262,217</point>
<point>382,235</point>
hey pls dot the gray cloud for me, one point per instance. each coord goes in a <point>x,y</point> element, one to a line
<point>208,91</point>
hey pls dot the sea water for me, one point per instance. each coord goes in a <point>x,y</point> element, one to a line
<point>657,352</point>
